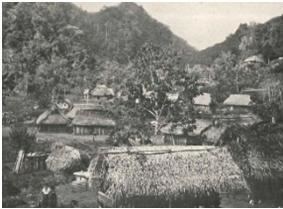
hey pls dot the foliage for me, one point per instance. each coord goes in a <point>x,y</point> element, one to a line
<point>246,41</point>
<point>50,48</point>
<point>159,74</point>
<point>21,138</point>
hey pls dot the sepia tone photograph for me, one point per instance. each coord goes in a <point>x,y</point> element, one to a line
<point>142,105</point>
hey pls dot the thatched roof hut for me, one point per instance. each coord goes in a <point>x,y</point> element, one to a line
<point>200,125</point>
<point>65,158</point>
<point>243,100</point>
<point>169,172</point>
<point>102,91</point>
<point>83,106</point>
<point>93,120</point>
<point>53,120</point>
<point>254,59</point>
<point>52,116</point>
<point>98,122</point>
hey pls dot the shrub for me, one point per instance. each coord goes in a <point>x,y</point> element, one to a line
<point>21,138</point>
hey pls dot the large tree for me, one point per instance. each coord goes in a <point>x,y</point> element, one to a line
<point>161,90</point>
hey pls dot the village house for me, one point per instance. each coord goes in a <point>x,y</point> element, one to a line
<point>202,103</point>
<point>254,59</point>
<point>92,122</point>
<point>102,92</point>
<point>81,106</point>
<point>165,176</point>
<point>174,134</point>
<point>238,103</point>
<point>53,120</point>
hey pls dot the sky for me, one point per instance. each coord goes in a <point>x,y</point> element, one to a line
<point>202,24</point>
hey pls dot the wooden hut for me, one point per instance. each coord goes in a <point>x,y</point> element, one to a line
<point>35,161</point>
<point>92,122</point>
<point>175,134</point>
<point>167,176</point>
<point>202,103</point>
<point>102,92</point>
<point>53,120</point>
<point>81,106</point>
<point>238,102</point>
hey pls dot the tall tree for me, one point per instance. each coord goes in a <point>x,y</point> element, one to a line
<point>162,90</point>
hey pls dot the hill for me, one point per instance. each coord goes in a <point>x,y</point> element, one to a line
<point>53,47</point>
<point>248,39</point>
<point>118,32</point>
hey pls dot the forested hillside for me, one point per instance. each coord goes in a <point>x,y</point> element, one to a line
<point>265,39</point>
<point>54,47</point>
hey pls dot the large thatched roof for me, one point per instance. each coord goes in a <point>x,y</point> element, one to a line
<point>93,118</point>
<point>83,106</point>
<point>169,171</point>
<point>52,116</point>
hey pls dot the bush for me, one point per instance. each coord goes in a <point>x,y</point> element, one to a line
<point>21,138</point>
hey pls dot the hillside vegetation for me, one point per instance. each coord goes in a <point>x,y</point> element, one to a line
<point>51,48</point>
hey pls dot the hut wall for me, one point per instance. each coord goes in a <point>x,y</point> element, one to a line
<point>53,128</point>
<point>202,108</point>
<point>175,139</point>
<point>32,164</point>
<point>91,130</point>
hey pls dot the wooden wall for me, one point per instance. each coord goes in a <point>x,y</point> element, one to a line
<point>91,130</point>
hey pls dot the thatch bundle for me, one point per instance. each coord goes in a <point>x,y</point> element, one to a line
<point>65,158</point>
<point>170,171</point>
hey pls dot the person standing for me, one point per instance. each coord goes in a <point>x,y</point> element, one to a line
<point>52,198</point>
<point>45,196</point>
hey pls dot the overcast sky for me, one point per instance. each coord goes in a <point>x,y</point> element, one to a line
<point>203,24</point>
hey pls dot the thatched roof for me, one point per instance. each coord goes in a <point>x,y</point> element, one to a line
<point>242,119</point>
<point>170,128</point>
<point>203,99</point>
<point>52,116</point>
<point>93,121</point>
<point>238,100</point>
<point>254,59</point>
<point>65,158</point>
<point>169,171</point>
<point>93,118</point>
<point>178,130</point>
<point>102,90</point>
<point>83,106</point>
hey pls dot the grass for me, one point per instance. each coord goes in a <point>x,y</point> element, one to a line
<point>66,195</point>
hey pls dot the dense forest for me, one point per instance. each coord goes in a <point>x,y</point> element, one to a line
<point>52,47</point>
